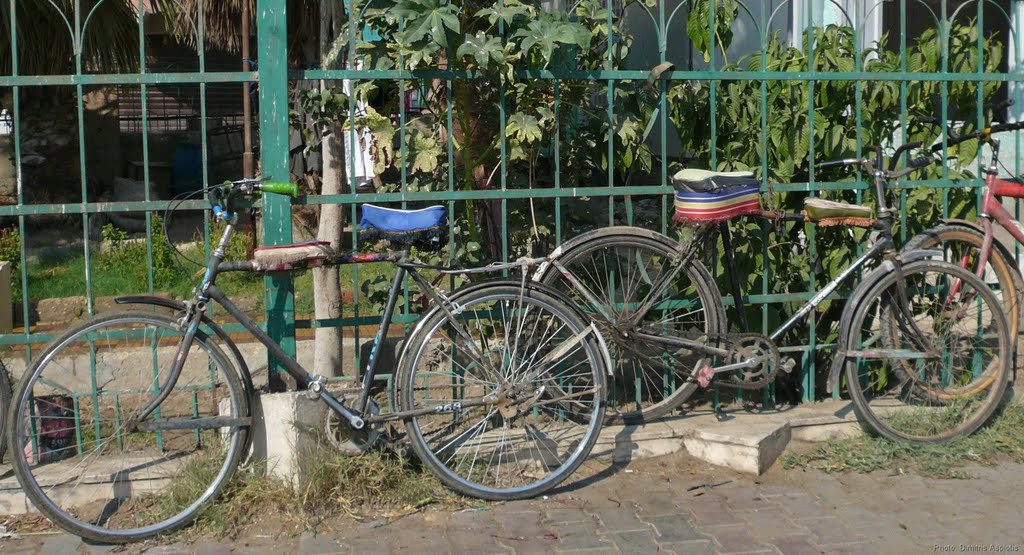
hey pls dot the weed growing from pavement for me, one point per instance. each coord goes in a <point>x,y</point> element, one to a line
<point>377,484</point>
<point>1002,438</point>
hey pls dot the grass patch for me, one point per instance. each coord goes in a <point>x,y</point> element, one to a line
<point>378,484</point>
<point>1002,439</point>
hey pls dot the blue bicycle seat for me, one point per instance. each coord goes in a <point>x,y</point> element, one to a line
<point>424,227</point>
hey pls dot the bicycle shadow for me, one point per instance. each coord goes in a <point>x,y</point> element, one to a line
<point>621,452</point>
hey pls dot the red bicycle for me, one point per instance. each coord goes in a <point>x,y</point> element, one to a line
<point>973,244</point>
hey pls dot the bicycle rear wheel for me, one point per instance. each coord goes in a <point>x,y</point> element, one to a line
<point>514,390</point>
<point>621,267</point>
<point>82,462</point>
<point>930,353</point>
<point>961,245</point>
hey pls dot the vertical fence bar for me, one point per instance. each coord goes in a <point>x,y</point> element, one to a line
<point>903,113</point>
<point>144,113</point>
<point>16,137</point>
<point>503,152</point>
<point>610,93</point>
<point>272,45</point>
<point>809,366</point>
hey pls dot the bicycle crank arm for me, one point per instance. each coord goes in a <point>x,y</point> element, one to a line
<point>697,346</point>
<point>708,372</point>
<point>353,419</point>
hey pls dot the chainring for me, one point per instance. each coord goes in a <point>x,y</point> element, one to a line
<point>346,440</point>
<point>744,346</point>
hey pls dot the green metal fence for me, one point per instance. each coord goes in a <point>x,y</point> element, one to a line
<point>954,76</point>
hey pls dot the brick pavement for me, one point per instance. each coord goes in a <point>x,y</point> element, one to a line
<point>647,508</point>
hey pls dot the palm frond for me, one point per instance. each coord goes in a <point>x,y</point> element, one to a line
<point>222,20</point>
<point>46,45</point>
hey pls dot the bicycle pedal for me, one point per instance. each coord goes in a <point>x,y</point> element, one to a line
<point>705,376</point>
<point>788,365</point>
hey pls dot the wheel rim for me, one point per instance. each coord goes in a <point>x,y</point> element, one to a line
<point>949,391</point>
<point>108,481</point>
<point>647,375</point>
<point>526,441</point>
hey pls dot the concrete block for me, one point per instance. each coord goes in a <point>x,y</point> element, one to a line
<point>749,447</point>
<point>813,422</point>
<point>285,430</point>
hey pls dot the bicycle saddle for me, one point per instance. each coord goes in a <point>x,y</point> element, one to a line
<point>282,255</point>
<point>705,181</point>
<point>424,227</point>
<point>829,212</point>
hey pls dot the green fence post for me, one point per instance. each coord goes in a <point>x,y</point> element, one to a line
<point>272,45</point>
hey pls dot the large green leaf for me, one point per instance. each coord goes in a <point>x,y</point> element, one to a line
<point>506,13</point>
<point>547,33</point>
<point>422,152</point>
<point>425,19</point>
<point>523,127</point>
<point>483,49</point>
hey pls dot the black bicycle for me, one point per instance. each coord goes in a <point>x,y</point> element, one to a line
<point>925,343</point>
<point>500,387</point>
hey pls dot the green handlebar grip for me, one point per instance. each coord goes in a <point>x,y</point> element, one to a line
<point>289,189</point>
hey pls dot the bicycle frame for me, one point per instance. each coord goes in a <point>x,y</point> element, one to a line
<point>882,246</point>
<point>208,291</point>
<point>992,208</point>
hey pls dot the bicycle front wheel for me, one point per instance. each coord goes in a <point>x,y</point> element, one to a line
<point>930,353</point>
<point>621,268</point>
<point>86,464</point>
<point>512,392</point>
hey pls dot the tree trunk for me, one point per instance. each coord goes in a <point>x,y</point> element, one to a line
<point>327,300</point>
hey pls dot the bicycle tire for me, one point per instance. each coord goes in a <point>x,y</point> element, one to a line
<point>635,394</point>
<point>5,405</point>
<point>158,482</point>
<point>909,416</point>
<point>531,434</point>
<point>959,241</point>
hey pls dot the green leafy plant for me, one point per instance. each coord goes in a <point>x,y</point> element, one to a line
<point>796,125</point>
<point>10,248</point>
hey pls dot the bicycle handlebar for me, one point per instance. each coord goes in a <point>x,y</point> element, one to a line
<point>840,163</point>
<point>982,134</point>
<point>875,163</point>
<point>902,148</point>
<point>224,204</point>
<point>287,189</point>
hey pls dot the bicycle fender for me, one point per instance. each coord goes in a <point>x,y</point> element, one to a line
<point>538,274</point>
<point>996,243</point>
<point>964,223</point>
<point>162,302</point>
<point>858,296</point>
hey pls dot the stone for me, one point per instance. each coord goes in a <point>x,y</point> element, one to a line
<point>749,447</point>
<point>283,435</point>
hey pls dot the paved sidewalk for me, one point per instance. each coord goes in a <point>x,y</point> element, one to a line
<point>647,506</point>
